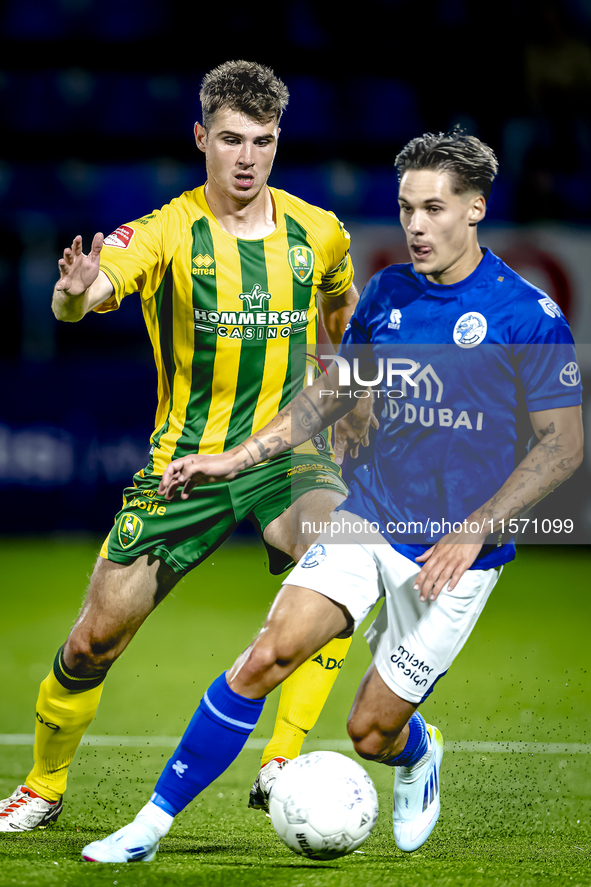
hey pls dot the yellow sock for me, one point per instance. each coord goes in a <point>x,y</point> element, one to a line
<point>63,715</point>
<point>302,699</point>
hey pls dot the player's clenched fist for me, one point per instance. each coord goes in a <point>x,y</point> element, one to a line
<point>77,270</point>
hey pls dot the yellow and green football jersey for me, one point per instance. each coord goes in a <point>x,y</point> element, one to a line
<point>230,320</point>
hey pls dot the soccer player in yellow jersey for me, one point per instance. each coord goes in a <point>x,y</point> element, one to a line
<point>233,277</point>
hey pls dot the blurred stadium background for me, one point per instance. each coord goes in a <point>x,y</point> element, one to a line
<point>98,102</point>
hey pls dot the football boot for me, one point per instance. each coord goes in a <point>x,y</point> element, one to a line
<point>417,796</point>
<point>136,842</point>
<point>259,793</point>
<point>25,810</point>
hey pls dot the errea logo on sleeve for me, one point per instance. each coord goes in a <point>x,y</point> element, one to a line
<point>395,319</point>
<point>550,307</point>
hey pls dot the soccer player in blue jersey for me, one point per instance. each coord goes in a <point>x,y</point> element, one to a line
<point>450,342</point>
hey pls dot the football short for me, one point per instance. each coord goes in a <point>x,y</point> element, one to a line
<point>184,532</point>
<point>413,643</point>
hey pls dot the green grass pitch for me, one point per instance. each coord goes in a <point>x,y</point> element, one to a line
<point>508,818</point>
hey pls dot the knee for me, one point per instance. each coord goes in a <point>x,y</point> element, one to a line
<point>265,657</point>
<point>264,666</point>
<point>367,743</point>
<point>84,655</point>
<point>369,740</point>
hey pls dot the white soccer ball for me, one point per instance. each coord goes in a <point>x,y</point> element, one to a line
<point>323,805</point>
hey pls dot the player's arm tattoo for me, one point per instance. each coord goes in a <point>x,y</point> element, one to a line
<point>308,416</point>
<point>274,445</point>
<point>248,460</point>
<point>544,432</point>
<point>296,423</point>
<point>550,462</point>
<point>565,465</point>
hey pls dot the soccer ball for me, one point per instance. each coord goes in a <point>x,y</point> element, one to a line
<point>323,805</point>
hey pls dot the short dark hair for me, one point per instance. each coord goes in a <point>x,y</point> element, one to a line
<point>471,164</point>
<point>248,87</point>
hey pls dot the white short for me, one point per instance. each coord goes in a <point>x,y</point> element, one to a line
<point>413,642</point>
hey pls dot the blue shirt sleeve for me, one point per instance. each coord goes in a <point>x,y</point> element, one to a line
<point>356,345</point>
<point>356,332</point>
<point>547,362</point>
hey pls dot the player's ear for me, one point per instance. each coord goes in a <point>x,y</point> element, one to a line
<point>477,210</point>
<point>200,136</point>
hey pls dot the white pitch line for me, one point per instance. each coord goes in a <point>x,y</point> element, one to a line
<point>529,748</point>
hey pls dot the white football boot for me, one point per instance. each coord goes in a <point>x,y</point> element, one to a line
<point>25,811</point>
<point>133,843</point>
<point>259,793</point>
<point>417,796</point>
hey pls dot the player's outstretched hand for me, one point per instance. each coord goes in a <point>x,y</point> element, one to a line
<point>352,431</point>
<point>194,471</point>
<point>444,562</point>
<point>77,270</point>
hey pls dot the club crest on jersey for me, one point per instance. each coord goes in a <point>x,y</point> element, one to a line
<point>130,529</point>
<point>314,556</point>
<point>301,262</point>
<point>470,330</point>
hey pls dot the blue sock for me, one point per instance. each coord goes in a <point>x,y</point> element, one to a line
<point>214,738</point>
<point>416,744</point>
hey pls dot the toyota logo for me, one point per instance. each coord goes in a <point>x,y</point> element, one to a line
<point>570,374</point>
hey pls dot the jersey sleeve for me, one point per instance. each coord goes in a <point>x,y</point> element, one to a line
<point>546,360</point>
<point>339,275</point>
<point>356,345</point>
<point>358,331</point>
<point>549,372</point>
<point>132,259</point>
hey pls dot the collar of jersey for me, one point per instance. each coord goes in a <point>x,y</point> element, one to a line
<point>451,290</point>
<point>279,213</point>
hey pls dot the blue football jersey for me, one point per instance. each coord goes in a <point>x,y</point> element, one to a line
<point>453,369</point>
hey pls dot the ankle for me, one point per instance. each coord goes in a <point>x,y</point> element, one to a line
<point>159,819</point>
<point>417,744</point>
